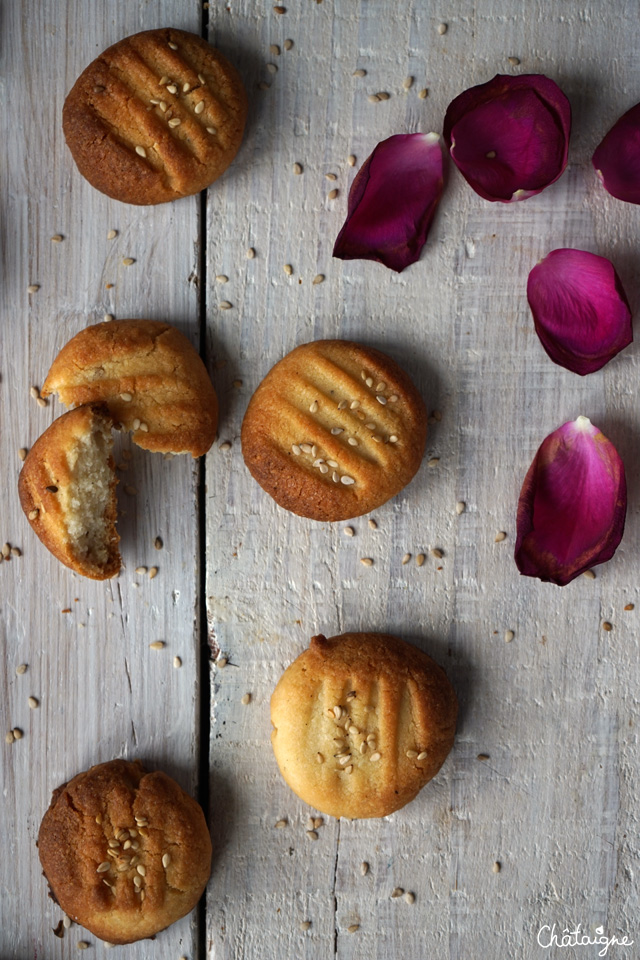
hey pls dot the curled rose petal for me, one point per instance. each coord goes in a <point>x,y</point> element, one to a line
<point>617,158</point>
<point>579,308</point>
<point>509,137</point>
<point>392,201</point>
<point>572,504</point>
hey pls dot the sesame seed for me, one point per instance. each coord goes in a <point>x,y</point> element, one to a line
<point>157,645</point>
<point>366,561</point>
<point>397,892</point>
<point>313,408</point>
<point>296,449</point>
<point>332,463</point>
<point>41,402</point>
<point>337,712</point>
<point>15,551</point>
<point>359,72</point>
<point>607,626</point>
<point>306,447</point>
<point>589,574</point>
<point>629,606</point>
<point>442,28</point>
<point>66,922</point>
<point>279,10</point>
<point>33,703</point>
<point>370,426</point>
<point>344,759</point>
<point>482,756</point>
<point>330,176</point>
<point>437,553</point>
<point>405,559</point>
<point>500,536</point>
<point>136,424</point>
<point>410,897</point>
<point>288,269</point>
<point>246,699</point>
<point>422,755</point>
<point>199,107</point>
<point>354,404</point>
<point>407,83</point>
<point>332,194</point>
<point>22,453</point>
<point>103,867</point>
<point>83,945</point>
<point>186,87</point>
<point>212,130</point>
<point>383,96</point>
<point>288,44</point>
<point>280,824</point>
<point>297,169</point>
<point>141,151</point>
<point>312,834</point>
<point>225,305</point>
<point>317,822</point>
<point>34,392</point>
<point>497,867</point>
<point>460,507</point>
<point>141,570</point>
<point>349,769</point>
<point>514,61</point>
<point>174,46</point>
<point>353,928</point>
<point>142,870</point>
<point>33,288</point>
<point>221,278</point>
<point>375,757</point>
<point>319,278</point>
<point>373,98</point>
<point>274,49</point>
<point>175,121</point>
<point>162,81</point>
<point>6,551</point>
<point>21,669</point>
<point>128,261</point>
<point>137,882</point>
<point>201,78</point>
<point>177,662</point>
<point>166,860</point>
<point>9,737</point>
<point>508,636</point>
<point>319,758</point>
<point>250,254</point>
<point>335,477</point>
<point>373,525</point>
<point>343,405</point>
<point>393,398</point>
<point>305,924</point>
<point>352,441</point>
<point>310,823</point>
<point>57,238</point>
<point>411,754</point>
<point>423,94</point>
<point>225,445</point>
<point>351,160</point>
<point>144,427</point>
<point>433,462</point>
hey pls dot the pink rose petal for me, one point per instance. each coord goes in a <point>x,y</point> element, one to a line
<point>392,201</point>
<point>572,504</point>
<point>579,308</point>
<point>617,158</point>
<point>509,137</point>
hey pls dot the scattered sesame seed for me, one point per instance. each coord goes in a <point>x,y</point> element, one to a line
<point>508,636</point>
<point>174,46</point>
<point>141,151</point>
<point>142,870</point>
<point>199,107</point>
<point>313,407</point>
<point>225,445</point>
<point>112,234</point>
<point>33,703</point>
<point>337,712</point>
<point>442,28</point>
<point>83,945</point>
<point>349,768</point>
<point>57,238</point>
<point>288,269</point>
<point>514,61</point>
<point>15,551</point>
<point>9,737</point>
<point>153,573</point>
<point>343,404</point>
<point>22,453</point>
<point>141,570</point>
<point>309,823</point>
<point>128,261</point>
<point>319,278</point>
<point>420,559</point>
<point>225,305</point>
<point>383,96</point>
<point>359,72</point>
<point>305,924</point>
<point>6,550</point>
<point>34,392</point>
<point>33,288</point>
<point>397,892</point>
<point>177,662</point>
<point>364,868</point>
<point>332,194</point>
<point>157,645</point>
<point>34,514</point>
<point>460,507</point>
<point>629,606</point>
<point>373,524</point>
<point>250,254</point>
<point>423,94</point>
<point>281,823</point>
<point>288,44</point>
<point>279,10</point>
<point>437,553</point>
<point>407,83</point>
<point>353,928</point>
<point>607,626</point>
<point>66,922</point>
<point>274,49</point>
<point>405,559</point>
<point>221,278</point>
<point>373,98</point>
<point>166,860</point>
<point>366,561</point>
<point>246,699</point>
<point>136,424</point>
<point>433,462</point>
<point>349,532</point>
<point>500,536</point>
<point>319,758</point>
<point>221,662</point>
<point>351,160</point>
<point>497,867</point>
<point>482,756</point>
<point>41,402</point>
<point>317,822</point>
<point>21,669</point>
<point>422,755</point>
<point>589,574</point>
<point>375,757</point>
<point>410,897</point>
<point>330,176</point>
<point>312,834</point>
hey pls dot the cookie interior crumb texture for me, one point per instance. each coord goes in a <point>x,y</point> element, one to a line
<point>157,116</point>
<point>126,853</point>
<point>67,490</point>
<point>151,378</point>
<point>379,711</point>
<point>334,430</point>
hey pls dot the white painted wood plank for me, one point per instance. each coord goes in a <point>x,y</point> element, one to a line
<point>555,710</point>
<point>103,693</point>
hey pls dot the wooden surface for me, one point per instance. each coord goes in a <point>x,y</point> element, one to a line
<point>555,710</point>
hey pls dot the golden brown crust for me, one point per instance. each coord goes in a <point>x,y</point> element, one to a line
<point>289,422</point>
<point>344,690</point>
<point>96,813</point>
<point>111,110</point>
<point>41,484</point>
<point>150,377</point>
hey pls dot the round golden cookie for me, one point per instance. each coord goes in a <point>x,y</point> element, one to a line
<point>151,378</point>
<point>125,852</point>
<point>361,722</point>
<point>334,430</point>
<point>67,489</point>
<point>157,116</point>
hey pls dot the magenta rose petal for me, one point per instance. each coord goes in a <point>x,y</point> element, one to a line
<point>580,309</point>
<point>572,505</point>
<point>509,137</point>
<point>392,201</point>
<point>617,158</point>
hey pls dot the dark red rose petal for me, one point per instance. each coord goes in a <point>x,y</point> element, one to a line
<point>579,308</point>
<point>617,158</point>
<point>392,201</point>
<point>509,137</point>
<point>572,504</point>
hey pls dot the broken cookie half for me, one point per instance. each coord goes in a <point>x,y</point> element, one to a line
<point>67,489</point>
<point>150,377</point>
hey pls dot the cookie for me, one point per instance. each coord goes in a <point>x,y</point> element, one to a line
<point>126,853</point>
<point>334,430</point>
<point>157,116</point>
<point>150,377</point>
<point>361,723</point>
<point>67,489</point>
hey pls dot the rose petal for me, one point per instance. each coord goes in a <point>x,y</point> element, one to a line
<point>579,308</point>
<point>617,158</point>
<point>572,504</point>
<point>509,137</point>
<point>392,201</point>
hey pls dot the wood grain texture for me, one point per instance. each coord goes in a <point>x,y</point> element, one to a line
<point>556,709</point>
<point>103,693</point>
